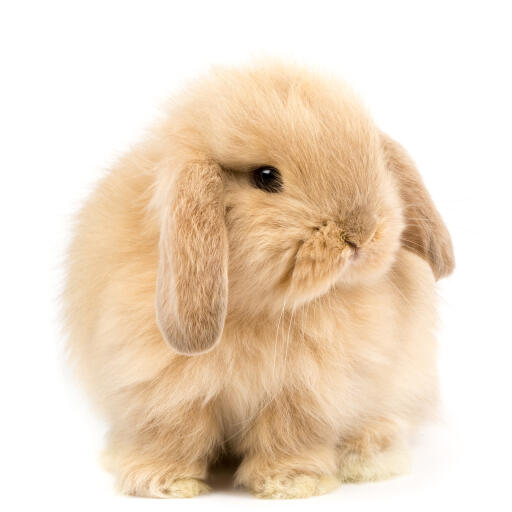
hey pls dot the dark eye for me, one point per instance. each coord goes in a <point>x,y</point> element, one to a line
<point>267,178</point>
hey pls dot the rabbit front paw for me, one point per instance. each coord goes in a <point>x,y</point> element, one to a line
<point>155,478</point>
<point>293,486</point>
<point>157,486</point>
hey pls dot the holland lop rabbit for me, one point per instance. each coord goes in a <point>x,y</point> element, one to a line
<point>258,278</point>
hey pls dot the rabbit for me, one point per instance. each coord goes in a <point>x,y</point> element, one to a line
<point>258,278</point>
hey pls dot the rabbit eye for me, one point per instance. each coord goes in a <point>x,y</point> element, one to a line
<point>267,178</point>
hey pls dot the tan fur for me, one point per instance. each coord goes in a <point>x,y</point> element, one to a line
<point>191,291</point>
<point>425,233</point>
<point>314,328</point>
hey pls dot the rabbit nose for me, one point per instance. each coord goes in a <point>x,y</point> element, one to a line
<point>358,228</point>
<point>348,240</point>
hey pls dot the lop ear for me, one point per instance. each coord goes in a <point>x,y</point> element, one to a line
<point>191,289</point>
<point>425,232</point>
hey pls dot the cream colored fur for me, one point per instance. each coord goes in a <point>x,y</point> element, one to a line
<point>286,345</point>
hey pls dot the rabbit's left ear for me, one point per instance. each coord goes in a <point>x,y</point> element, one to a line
<point>191,291</point>
<point>425,232</point>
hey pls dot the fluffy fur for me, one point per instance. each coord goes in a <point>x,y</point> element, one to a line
<point>299,325</point>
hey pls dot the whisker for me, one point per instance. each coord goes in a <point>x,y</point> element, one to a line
<point>287,343</point>
<point>397,289</point>
<point>275,340</point>
<point>417,244</point>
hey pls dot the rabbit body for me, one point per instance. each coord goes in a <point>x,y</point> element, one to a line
<point>307,394</point>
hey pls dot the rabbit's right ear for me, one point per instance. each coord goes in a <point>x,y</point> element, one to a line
<point>191,291</point>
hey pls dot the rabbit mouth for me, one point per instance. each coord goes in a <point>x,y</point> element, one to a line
<point>321,260</point>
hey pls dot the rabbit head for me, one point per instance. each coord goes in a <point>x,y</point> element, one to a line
<point>276,187</point>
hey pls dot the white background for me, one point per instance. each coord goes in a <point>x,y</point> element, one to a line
<point>80,81</point>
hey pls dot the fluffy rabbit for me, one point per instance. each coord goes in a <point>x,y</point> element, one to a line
<point>258,278</point>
